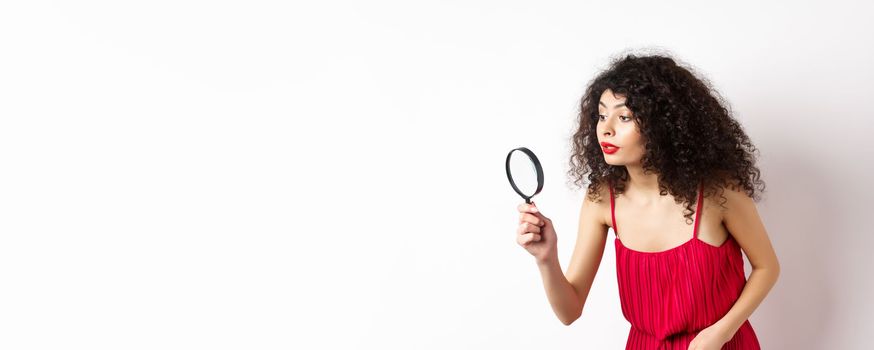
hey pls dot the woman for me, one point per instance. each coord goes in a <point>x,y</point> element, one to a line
<point>662,146</point>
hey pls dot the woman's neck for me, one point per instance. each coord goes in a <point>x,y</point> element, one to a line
<point>644,187</point>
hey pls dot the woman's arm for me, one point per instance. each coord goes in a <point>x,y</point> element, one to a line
<point>742,220</point>
<point>567,293</point>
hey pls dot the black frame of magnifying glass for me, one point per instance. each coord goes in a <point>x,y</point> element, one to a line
<point>537,169</point>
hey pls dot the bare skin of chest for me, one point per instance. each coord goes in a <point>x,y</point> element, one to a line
<point>659,225</point>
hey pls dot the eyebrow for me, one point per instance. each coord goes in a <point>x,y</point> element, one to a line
<point>616,106</point>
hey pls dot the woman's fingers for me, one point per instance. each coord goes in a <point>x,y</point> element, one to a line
<point>530,213</point>
<point>533,219</point>
<point>528,238</point>
<point>526,227</point>
<point>526,208</point>
<point>531,222</point>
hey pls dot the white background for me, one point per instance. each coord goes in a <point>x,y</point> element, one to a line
<point>329,175</point>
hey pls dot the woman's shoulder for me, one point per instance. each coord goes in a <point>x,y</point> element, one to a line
<point>729,196</point>
<point>599,200</point>
<point>598,196</point>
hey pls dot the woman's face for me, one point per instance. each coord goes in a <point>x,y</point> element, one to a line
<point>616,126</point>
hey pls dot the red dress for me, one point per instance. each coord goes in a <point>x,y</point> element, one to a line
<point>671,295</point>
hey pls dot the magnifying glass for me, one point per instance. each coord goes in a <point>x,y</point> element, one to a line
<point>524,172</point>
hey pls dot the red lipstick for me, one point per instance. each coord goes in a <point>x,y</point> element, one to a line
<point>609,148</point>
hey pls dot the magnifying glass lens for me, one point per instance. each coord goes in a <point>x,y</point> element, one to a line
<point>524,173</point>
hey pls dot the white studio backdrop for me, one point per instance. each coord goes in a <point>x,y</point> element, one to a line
<point>329,175</point>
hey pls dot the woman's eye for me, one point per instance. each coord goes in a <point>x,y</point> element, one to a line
<point>601,117</point>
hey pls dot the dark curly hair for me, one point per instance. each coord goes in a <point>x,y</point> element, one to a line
<point>690,135</point>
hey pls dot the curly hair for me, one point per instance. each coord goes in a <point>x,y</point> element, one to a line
<point>690,135</point>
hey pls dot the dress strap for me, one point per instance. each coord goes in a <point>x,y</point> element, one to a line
<point>612,210</point>
<point>698,210</point>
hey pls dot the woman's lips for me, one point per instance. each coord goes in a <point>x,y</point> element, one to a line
<point>609,148</point>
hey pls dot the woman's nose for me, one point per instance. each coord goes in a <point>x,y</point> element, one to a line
<point>607,127</point>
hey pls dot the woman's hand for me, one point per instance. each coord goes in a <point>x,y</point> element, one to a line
<point>710,338</point>
<point>535,233</point>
